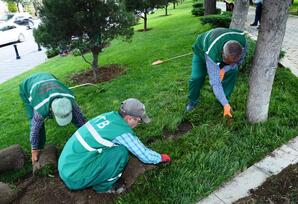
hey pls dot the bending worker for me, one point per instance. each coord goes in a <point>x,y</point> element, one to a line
<point>44,96</point>
<point>97,153</point>
<point>217,52</point>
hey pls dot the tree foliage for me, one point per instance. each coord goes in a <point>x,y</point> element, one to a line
<point>142,8</point>
<point>92,24</point>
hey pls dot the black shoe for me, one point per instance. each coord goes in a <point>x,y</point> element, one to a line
<point>253,24</point>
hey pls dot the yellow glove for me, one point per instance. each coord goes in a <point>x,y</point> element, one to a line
<point>221,74</point>
<point>227,111</point>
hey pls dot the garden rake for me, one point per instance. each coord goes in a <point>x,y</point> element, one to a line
<point>157,62</point>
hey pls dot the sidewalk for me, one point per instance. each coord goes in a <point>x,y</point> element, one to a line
<point>290,42</point>
<point>255,175</point>
<point>30,57</point>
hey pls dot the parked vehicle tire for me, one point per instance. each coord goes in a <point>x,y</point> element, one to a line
<point>21,37</point>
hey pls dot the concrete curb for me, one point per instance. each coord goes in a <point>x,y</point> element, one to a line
<point>255,175</point>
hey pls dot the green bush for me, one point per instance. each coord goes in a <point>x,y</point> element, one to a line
<point>52,53</point>
<point>198,5</point>
<point>198,11</point>
<point>76,52</point>
<point>218,11</point>
<point>246,65</point>
<point>12,7</point>
<point>221,20</point>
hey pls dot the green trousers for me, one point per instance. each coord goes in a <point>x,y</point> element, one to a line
<point>105,170</point>
<point>198,75</point>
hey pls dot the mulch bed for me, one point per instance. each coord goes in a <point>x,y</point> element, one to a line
<point>281,188</point>
<point>106,73</point>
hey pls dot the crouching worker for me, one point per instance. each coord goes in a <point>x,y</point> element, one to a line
<point>97,153</point>
<point>44,97</point>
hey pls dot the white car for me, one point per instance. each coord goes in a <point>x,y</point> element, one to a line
<point>23,18</point>
<point>10,32</point>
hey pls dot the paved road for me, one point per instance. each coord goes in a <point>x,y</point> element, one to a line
<point>30,57</point>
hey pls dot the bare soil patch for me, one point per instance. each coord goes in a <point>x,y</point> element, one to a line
<point>51,189</point>
<point>142,30</point>
<point>106,73</point>
<point>182,128</point>
<point>281,188</point>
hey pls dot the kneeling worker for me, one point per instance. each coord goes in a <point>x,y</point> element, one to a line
<point>44,97</point>
<point>97,153</point>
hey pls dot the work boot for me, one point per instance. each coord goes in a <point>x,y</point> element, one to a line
<point>117,188</point>
<point>253,24</point>
<point>190,106</point>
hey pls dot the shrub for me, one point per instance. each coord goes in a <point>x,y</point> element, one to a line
<point>218,11</point>
<point>198,11</point>
<point>246,65</point>
<point>222,20</point>
<point>76,52</point>
<point>198,5</point>
<point>12,7</point>
<point>52,53</point>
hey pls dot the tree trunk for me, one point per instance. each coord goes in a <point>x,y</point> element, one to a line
<point>95,53</point>
<point>11,158</point>
<point>174,5</point>
<point>145,20</point>
<point>269,43</point>
<point>48,156</point>
<point>210,7</point>
<point>239,14</point>
<point>166,10</point>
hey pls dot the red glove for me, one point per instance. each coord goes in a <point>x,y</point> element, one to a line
<point>165,158</point>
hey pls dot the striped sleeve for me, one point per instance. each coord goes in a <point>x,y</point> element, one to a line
<point>213,73</point>
<point>137,148</point>
<point>37,123</point>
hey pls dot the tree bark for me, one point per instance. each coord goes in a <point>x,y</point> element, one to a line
<point>95,52</point>
<point>48,156</point>
<point>210,7</point>
<point>166,10</point>
<point>11,158</point>
<point>145,20</point>
<point>239,14</point>
<point>269,43</point>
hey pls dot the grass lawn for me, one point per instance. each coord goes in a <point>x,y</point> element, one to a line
<point>294,8</point>
<point>211,153</point>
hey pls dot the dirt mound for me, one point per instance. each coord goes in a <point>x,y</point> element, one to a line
<point>281,188</point>
<point>106,73</point>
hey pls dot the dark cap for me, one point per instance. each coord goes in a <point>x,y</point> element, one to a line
<point>136,108</point>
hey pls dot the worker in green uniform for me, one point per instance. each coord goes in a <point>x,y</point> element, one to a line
<point>44,96</point>
<point>217,52</point>
<point>97,153</point>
